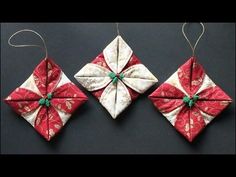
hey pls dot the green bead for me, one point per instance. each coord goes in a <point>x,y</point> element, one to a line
<point>121,76</point>
<point>112,75</point>
<point>49,96</point>
<point>42,101</point>
<point>115,80</point>
<point>195,98</point>
<point>47,103</point>
<point>191,103</point>
<point>186,99</point>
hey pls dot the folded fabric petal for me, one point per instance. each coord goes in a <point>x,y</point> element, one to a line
<point>46,76</point>
<point>117,54</point>
<point>93,77</point>
<point>115,98</point>
<point>167,98</point>
<point>139,78</point>
<point>48,122</point>
<point>167,91</point>
<point>189,99</point>
<point>46,99</point>
<point>116,77</point>
<point>189,122</point>
<point>213,93</point>
<point>191,75</point>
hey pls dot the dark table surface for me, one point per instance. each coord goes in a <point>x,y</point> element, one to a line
<point>141,129</point>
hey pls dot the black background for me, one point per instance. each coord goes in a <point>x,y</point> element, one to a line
<point>141,129</point>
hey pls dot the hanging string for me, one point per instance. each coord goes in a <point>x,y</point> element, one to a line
<point>117,29</point>
<point>44,47</point>
<point>195,45</point>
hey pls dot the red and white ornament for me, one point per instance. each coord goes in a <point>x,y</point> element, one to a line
<point>116,77</point>
<point>189,99</point>
<point>47,99</point>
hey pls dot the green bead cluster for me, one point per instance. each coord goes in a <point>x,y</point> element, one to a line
<point>115,77</point>
<point>190,101</point>
<point>46,101</point>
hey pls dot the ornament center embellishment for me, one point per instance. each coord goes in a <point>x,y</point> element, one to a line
<point>190,101</point>
<point>115,77</point>
<point>46,101</point>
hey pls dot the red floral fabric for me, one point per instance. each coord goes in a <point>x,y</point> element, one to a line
<point>66,98</point>
<point>191,80</point>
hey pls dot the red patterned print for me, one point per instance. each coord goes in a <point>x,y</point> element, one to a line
<point>167,91</point>
<point>46,76</point>
<point>212,108</point>
<point>66,98</point>
<point>133,94</point>
<point>23,101</point>
<point>182,122</point>
<point>133,61</point>
<point>214,94</point>
<point>189,123</point>
<point>100,60</point>
<point>48,122</point>
<point>191,75</point>
<point>213,100</point>
<point>41,122</point>
<point>54,122</point>
<point>98,93</point>
<point>189,120</point>
<point>166,105</point>
<point>67,105</point>
<point>23,107</point>
<point>68,90</point>
<point>53,75</point>
<point>40,76</point>
<point>22,94</point>
<point>196,123</point>
<point>167,98</point>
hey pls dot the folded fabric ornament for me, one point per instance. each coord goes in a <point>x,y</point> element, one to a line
<point>116,77</point>
<point>47,99</point>
<point>189,99</point>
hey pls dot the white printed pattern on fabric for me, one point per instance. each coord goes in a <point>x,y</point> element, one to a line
<point>117,54</point>
<point>93,77</point>
<point>115,98</point>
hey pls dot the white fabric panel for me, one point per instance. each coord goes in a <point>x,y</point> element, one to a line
<point>29,84</point>
<point>31,117</point>
<point>174,81</point>
<point>117,54</point>
<point>139,78</point>
<point>115,98</point>
<point>206,117</point>
<point>171,116</point>
<point>207,82</point>
<point>64,80</point>
<point>93,77</point>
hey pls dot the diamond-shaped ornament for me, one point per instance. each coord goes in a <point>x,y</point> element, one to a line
<point>116,77</point>
<point>47,99</point>
<point>189,99</point>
